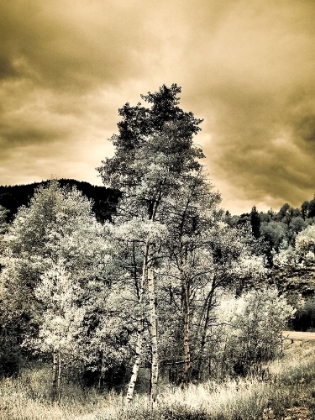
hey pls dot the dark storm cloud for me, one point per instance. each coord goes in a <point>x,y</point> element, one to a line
<point>56,60</point>
<point>258,93</point>
<point>67,44</point>
<point>247,68</point>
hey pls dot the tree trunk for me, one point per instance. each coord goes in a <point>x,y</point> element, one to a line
<point>136,365</point>
<point>147,279</point>
<point>56,376</point>
<point>140,332</point>
<point>186,317</point>
<point>204,332</point>
<point>59,375</point>
<point>54,381</point>
<point>102,372</point>
<point>153,331</point>
<point>185,304</point>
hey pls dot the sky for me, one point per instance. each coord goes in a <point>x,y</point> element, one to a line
<point>246,67</point>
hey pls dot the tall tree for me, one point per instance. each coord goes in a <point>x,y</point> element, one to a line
<point>190,215</point>
<point>154,151</point>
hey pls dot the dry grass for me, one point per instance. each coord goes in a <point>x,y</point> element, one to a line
<point>290,383</point>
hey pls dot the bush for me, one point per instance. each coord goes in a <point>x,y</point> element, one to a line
<point>254,335</point>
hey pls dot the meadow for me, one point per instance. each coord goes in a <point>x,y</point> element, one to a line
<point>286,392</point>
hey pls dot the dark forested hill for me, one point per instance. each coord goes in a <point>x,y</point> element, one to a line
<point>104,199</point>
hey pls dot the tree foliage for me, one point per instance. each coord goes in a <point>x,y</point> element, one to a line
<point>253,329</point>
<point>54,283</point>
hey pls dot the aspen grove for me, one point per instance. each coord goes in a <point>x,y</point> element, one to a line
<point>167,286</point>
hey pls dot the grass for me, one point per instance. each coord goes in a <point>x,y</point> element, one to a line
<point>287,392</point>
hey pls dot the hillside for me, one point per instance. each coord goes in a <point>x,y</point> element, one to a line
<point>104,199</point>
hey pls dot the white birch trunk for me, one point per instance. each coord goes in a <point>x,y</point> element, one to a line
<point>154,338</point>
<point>59,375</point>
<point>56,376</point>
<point>54,382</point>
<point>140,332</point>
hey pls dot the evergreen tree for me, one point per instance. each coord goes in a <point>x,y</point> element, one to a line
<point>255,222</point>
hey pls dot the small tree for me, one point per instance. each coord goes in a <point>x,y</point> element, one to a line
<point>62,323</point>
<point>233,267</point>
<point>253,329</point>
<point>56,265</point>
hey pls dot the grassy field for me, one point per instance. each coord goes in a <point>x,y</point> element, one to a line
<point>287,392</point>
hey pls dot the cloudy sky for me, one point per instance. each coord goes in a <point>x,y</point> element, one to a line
<point>246,67</point>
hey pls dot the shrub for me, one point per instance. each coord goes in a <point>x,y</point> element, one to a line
<point>254,332</point>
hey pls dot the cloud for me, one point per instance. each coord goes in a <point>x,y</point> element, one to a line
<point>68,44</point>
<point>246,68</point>
<point>257,93</point>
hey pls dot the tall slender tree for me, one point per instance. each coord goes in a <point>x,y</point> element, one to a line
<point>191,213</point>
<point>154,151</point>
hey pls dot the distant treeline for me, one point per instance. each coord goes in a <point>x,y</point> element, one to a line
<point>104,199</point>
<point>277,230</point>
